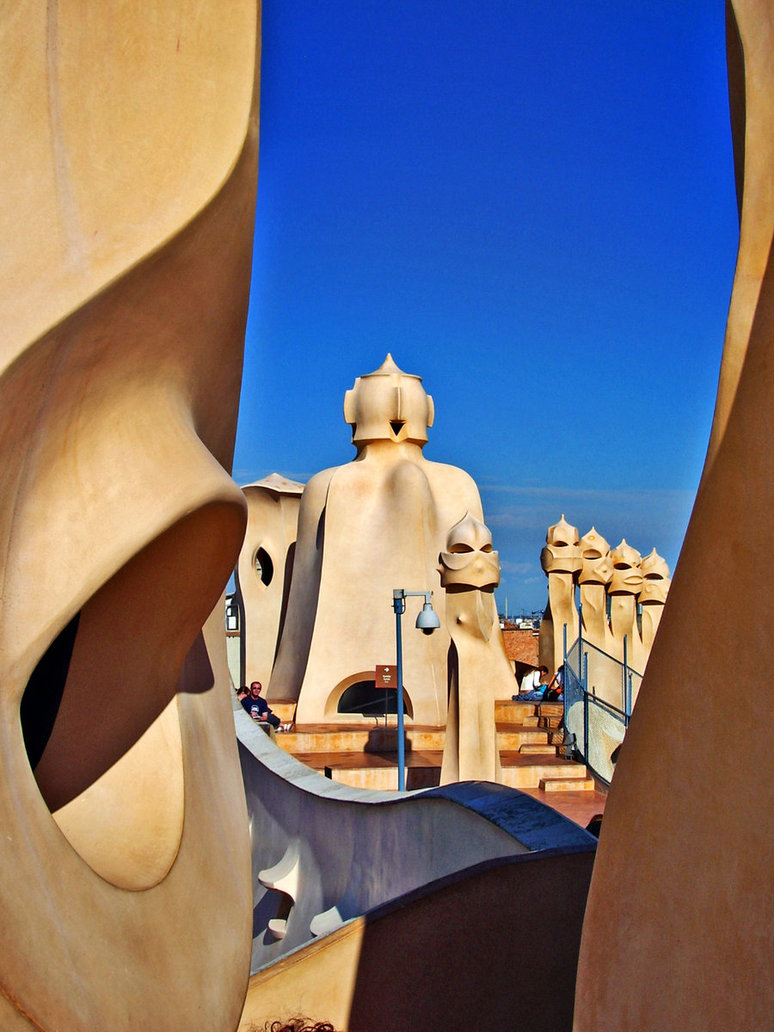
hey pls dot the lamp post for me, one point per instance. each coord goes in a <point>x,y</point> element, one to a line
<point>427,622</point>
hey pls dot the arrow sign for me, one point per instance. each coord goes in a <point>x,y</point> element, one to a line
<point>386,676</point>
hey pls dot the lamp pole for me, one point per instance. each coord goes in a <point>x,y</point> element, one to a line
<point>427,622</point>
<point>399,605</point>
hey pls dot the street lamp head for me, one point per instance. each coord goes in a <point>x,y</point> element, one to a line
<point>428,621</point>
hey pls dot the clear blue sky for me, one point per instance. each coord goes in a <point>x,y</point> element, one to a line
<point>531,205</point>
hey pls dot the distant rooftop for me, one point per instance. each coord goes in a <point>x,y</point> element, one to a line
<point>521,645</point>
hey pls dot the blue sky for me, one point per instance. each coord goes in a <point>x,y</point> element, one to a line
<point>531,205</point>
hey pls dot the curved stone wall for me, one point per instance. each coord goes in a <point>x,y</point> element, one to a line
<point>680,912</point>
<point>130,139</point>
<point>324,853</point>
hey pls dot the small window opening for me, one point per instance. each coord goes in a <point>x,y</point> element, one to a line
<point>264,567</point>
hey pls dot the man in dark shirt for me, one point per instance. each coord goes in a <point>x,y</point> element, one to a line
<point>257,707</point>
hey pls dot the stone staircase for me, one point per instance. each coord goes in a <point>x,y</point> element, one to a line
<point>364,755</point>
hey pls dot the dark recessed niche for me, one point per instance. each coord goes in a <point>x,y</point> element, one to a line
<point>365,698</point>
<point>264,567</point>
<point>397,425</point>
<point>43,694</point>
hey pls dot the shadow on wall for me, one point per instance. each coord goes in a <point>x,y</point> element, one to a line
<point>493,946</point>
<point>496,947</point>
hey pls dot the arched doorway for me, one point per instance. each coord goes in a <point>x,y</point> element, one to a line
<point>364,698</point>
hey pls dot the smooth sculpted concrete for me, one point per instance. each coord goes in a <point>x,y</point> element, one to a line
<point>561,561</point>
<point>476,663</point>
<point>365,528</point>
<point>264,570</point>
<point>129,137</point>
<point>677,932</point>
<point>613,595</point>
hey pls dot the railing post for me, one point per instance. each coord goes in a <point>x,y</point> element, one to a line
<point>625,676</point>
<point>585,686</point>
<point>565,680</point>
<point>583,670</point>
<point>580,631</point>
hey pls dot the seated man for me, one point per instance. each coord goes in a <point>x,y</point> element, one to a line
<point>555,686</point>
<point>533,686</point>
<point>258,708</point>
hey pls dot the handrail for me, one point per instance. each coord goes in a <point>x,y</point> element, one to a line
<point>593,719</point>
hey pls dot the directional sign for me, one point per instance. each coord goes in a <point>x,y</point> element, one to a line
<point>387,677</point>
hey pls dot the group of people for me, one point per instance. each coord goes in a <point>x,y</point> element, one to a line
<point>535,689</point>
<point>258,707</point>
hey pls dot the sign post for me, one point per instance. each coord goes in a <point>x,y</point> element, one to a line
<point>427,622</point>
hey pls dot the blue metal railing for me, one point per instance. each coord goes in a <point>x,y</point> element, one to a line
<point>596,712</point>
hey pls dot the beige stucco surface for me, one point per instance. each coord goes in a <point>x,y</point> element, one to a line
<point>477,666</point>
<point>376,524</point>
<point>752,124</point>
<point>126,208</point>
<point>615,596</point>
<point>678,927</point>
<point>126,213</point>
<point>262,591</point>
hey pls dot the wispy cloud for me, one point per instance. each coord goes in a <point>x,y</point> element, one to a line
<point>519,515</point>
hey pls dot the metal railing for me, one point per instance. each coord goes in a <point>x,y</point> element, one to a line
<point>599,694</point>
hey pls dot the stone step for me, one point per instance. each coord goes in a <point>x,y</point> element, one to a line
<point>507,711</point>
<point>567,784</point>
<point>550,709</point>
<point>537,749</point>
<point>549,723</point>
<point>385,739</point>
<point>525,772</point>
<point>375,770</point>
<point>299,740</point>
<point>510,711</point>
<point>336,738</point>
<point>513,740</point>
<point>368,761</point>
<point>384,779</point>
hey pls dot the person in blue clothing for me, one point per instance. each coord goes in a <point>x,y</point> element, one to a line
<point>258,708</point>
<point>555,687</point>
<point>533,686</point>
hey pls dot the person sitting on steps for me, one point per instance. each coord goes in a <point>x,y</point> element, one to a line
<point>258,708</point>
<point>532,687</point>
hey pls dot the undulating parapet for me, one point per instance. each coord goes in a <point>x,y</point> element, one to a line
<point>325,854</point>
